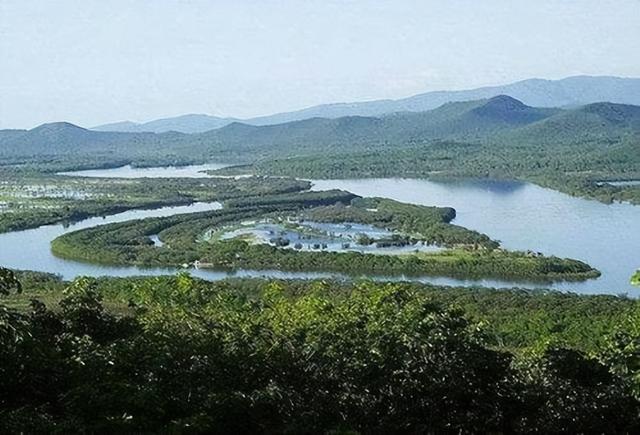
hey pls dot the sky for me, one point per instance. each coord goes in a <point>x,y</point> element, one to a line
<point>93,61</point>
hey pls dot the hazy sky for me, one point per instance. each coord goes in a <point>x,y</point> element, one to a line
<point>96,61</point>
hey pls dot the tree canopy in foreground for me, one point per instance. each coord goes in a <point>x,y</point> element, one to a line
<point>188,357</point>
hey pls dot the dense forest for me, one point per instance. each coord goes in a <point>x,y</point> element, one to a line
<point>188,356</point>
<point>578,169</point>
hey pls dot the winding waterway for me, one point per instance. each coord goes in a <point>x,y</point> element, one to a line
<point>522,216</point>
<point>128,171</point>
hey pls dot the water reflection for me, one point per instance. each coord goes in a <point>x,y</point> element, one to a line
<point>607,236</point>
<point>498,187</point>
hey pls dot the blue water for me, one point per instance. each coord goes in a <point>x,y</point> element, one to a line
<point>522,216</point>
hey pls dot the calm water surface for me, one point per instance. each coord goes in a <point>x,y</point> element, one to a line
<point>128,171</point>
<point>521,215</point>
<point>31,250</point>
<point>621,183</point>
<point>524,216</point>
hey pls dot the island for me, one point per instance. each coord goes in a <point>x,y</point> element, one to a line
<point>316,231</point>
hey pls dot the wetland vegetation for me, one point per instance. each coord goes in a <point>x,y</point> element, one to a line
<point>186,240</point>
<point>29,199</point>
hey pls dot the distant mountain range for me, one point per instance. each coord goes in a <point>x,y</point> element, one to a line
<point>63,138</point>
<point>192,123</point>
<point>568,92</point>
<point>497,121</point>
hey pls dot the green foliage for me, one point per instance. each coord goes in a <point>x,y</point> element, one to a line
<point>66,199</point>
<point>514,319</point>
<point>635,279</point>
<point>567,391</point>
<point>201,357</point>
<point>128,242</point>
<point>623,349</point>
<point>238,254</point>
<point>9,282</point>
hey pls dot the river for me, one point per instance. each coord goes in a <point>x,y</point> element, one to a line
<point>128,171</point>
<point>522,216</point>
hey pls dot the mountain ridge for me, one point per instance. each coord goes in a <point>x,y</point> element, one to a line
<point>501,120</point>
<point>569,91</point>
<point>188,123</point>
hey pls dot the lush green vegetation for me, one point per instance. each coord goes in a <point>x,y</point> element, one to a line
<point>635,279</point>
<point>188,356</point>
<point>576,169</point>
<point>428,224</point>
<point>239,254</point>
<point>29,199</point>
<point>175,354</point>
<point>514,319</point>
<point>129,242</point>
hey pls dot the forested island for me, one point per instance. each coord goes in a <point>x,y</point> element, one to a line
<point>471,255</point>
<point>635,279</point>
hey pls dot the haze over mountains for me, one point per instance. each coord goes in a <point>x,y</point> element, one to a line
<point>191,123</point>
<point>497,121</point>
<point>568,92</point>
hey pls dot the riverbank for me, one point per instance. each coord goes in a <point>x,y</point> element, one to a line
<point>575,182</point>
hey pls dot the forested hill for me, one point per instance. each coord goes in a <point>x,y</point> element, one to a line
<point>470,120</point>
<point>599,122</point>
<point>191,123</point>
<point>568,92</point>
<point>63,137</point>
<point>62,145</point>
<point>498,121</point>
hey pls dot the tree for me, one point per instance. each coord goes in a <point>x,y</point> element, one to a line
<point>9,282</point>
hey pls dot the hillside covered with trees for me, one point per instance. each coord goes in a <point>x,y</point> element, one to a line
<point>188,356</point>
